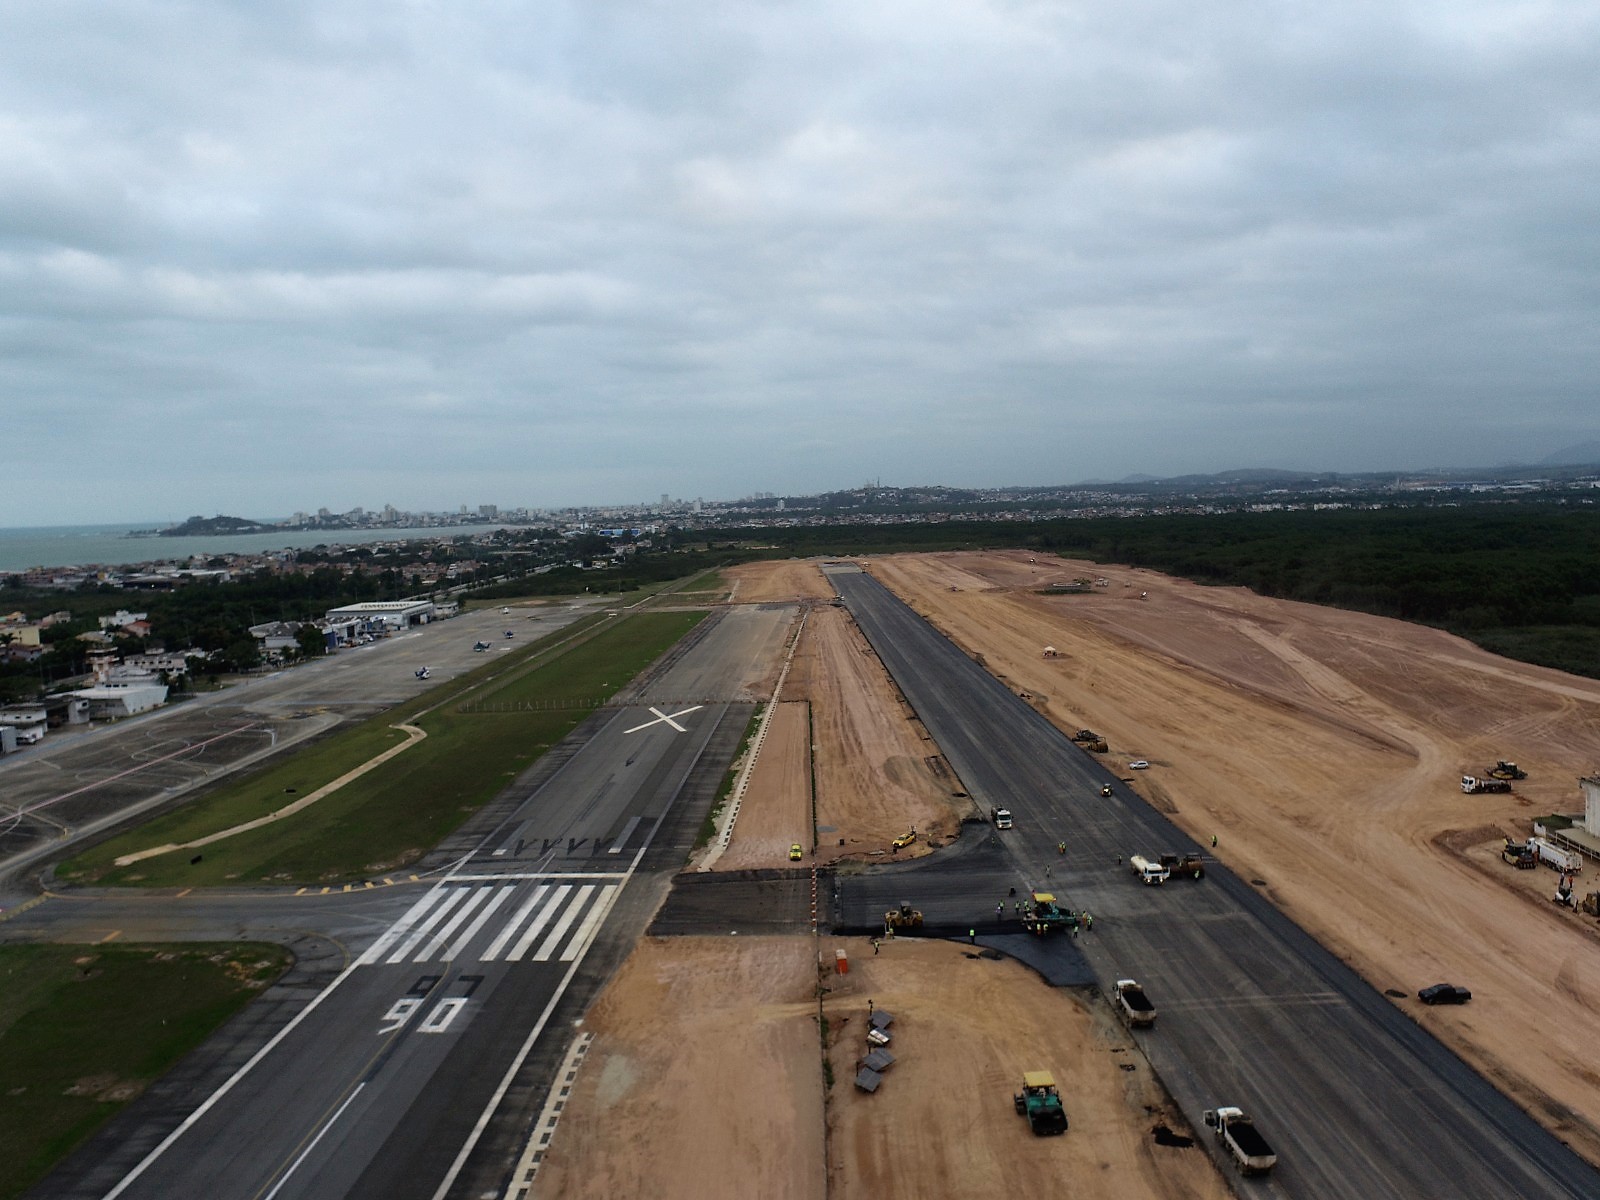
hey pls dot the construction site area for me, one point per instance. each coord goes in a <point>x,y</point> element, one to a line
<point>1319,754</point>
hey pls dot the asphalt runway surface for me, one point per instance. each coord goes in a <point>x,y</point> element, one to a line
<point>78,782</point>
<point>1357,1098</point>
<point>417,1070</point>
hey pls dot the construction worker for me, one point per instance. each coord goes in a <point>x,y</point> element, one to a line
<point>1000,911</point>
<point>1047,872</point>
<point>1088,920</point>
<point>1061,847</point>
<point>1213,841</point>
<point>876,945</point>
<point>972,937</point>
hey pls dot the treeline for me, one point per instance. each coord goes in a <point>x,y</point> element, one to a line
<point>1520,579</point>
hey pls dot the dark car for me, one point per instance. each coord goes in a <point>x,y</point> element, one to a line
<point>1444,993</point>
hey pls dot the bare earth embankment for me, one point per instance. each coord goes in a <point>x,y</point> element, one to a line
<point>1324,750</point>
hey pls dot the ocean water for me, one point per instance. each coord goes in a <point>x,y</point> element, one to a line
<point>109,545</point>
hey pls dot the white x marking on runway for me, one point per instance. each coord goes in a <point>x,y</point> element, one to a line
<point>668,718</point>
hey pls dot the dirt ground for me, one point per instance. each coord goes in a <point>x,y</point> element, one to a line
<point>942,1122</point>
<point>776,810</point>
<point>767,582</point>
<point>705,1080</point>
<point>1324,750</point>
<point>878,774</point>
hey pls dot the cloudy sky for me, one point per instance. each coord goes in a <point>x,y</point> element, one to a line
<point>259,257</point>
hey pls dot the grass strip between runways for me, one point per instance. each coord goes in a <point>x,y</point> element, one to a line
<point>477,743</point>
<point>85,1029</point>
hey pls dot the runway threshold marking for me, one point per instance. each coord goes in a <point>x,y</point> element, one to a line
<point>607,901</point>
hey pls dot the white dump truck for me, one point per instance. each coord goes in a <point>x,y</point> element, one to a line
<point>1242,1140</point>
<point>1135,1005</point>
<point>1149,871</point>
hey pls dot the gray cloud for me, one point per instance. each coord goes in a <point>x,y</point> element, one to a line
<point>348,253</point>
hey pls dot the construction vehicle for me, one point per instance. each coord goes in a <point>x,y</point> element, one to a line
<point>1001,817</point>
<point>904,917</point>
<point>1105,789</point>
<point>1591,904</point>
<point>1551,855</point>
<point>1041,1104</point>
<point>1507,770</point>
<point>1149,873</point>
<point>1520,855</point>
<point>1242,1139</point>
<point>1473,786</point>
<point>1042,915</point>
<point>1090,740</point>
<point>1135,1005</point>
<point>1184,866</point>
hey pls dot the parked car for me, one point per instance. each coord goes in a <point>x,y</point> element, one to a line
<point>1138,764</point>
<point>1444,993</point>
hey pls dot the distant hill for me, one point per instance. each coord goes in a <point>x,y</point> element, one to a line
<point>201,526</point>
<point>1582,455</point>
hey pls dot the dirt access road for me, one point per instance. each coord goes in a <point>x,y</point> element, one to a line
<point>1324,750</point>
<point>705,1078</point>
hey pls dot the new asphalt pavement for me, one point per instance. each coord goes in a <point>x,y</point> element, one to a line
<point>1359,1100</point>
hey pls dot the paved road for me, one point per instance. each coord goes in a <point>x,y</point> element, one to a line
<point>1360,1101</point>
<point>75,783</point>
<point>415,1073</point>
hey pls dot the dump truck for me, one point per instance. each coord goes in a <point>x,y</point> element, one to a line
<point>1553,856</point>
<point>1149,873</point>
<point>1507,770</point>
<point>1090,740</point>
<point>1473,786</point>
<point>1041,1104</point>
<point>1520,855</point>
<point>1184,866</point>
<point>1242,1139</point>
<point>1043,915</point>
<point>1001,817</point>
<point>1135,1005</point>
<point>904,917</point>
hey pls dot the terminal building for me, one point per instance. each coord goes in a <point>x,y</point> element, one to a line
<point>391,615</point>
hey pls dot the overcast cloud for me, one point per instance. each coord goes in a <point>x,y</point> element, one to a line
<point>269,256</point>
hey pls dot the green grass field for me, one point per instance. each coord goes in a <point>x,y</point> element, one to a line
<point>481,739</point>
<point>84,1029</point>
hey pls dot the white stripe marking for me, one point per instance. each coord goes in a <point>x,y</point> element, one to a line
<point>506,934</point>
<point>452,898</point>
<point>539,923</point>
<point>501,895</point>
<point>393,934</point>
<point>591,923</point>
<point>560,931</point>
<point>475,897</point>
<point>295,1165</point>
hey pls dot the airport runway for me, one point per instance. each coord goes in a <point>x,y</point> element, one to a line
<point>416,1072</point>
<point>77,782</point>
<point>1358,1099</point>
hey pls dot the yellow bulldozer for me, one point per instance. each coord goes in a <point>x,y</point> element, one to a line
<point>904,917</point>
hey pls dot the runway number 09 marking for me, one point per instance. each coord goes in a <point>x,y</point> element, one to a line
<point>443,1014</point>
